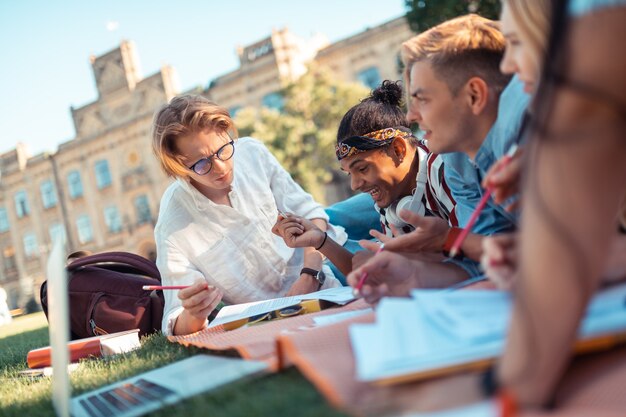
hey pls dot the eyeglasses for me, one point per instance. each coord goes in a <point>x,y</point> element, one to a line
<point>204,165</point>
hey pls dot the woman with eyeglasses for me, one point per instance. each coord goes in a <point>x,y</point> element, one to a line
<point>214,227</point>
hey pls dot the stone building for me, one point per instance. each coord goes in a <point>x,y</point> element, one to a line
<point>102,188</point>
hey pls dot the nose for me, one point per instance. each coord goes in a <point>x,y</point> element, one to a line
<point>507,65</point>
<point>413,115</point>
<point>219,166</point>
<point>356,182</point>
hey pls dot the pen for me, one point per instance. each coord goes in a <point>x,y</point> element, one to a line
<point>359,285</point>
<point>481,204</point>
<point>164,287</point>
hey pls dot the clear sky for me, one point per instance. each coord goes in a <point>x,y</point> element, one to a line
<point>45,47</point>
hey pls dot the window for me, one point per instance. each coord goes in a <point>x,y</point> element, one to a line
<point>31,248</point>
<point>8,255</point>
<point>112,219</point>
<point>75,185</point>
<point>56,231</point>
<point>103,174</point>
<point>85,233</point>
<point>4,220</point>
<point>21,204</point>
<point>142,208</point>
<point>273,101</point>
<point>48,194</point>
<point>370,77</point>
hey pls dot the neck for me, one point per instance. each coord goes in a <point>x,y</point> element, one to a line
<point>218,196</point>
<point>479,134</point>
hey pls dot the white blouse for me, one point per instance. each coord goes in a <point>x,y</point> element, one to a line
<point>233,248</point>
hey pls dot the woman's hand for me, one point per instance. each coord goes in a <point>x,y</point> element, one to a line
<point>499,259</point>
<point>198,300</point>
<point>298,232</point>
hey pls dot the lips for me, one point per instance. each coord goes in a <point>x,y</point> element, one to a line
<point>374,192</point>
<point>223,177</point>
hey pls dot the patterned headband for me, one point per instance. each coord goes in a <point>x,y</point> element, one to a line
<point>373,140</point>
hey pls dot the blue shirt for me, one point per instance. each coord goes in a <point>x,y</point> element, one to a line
<point>464,176</point>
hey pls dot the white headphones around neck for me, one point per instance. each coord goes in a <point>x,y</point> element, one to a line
<point>411,202</point>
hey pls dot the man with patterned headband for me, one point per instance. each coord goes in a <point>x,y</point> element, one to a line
<point>376,148</point>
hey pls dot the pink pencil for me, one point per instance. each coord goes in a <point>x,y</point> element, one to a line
<point>359,285</point>
<point>481,204</point>
<point>164,287</point>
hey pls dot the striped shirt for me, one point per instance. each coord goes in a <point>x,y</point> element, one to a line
<point>437,199</point>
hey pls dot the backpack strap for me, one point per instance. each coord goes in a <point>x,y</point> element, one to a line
<point>137,262</point>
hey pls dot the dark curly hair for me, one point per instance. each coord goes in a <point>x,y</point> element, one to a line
<point>381,109</point>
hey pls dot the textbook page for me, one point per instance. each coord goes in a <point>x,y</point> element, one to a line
<point>437,330</point>
<point>340,295</point>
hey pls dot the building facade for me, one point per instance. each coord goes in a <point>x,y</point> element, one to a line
<point>102,188</point>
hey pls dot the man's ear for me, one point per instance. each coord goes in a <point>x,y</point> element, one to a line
<point>398,149</point>
<point>477,92</point>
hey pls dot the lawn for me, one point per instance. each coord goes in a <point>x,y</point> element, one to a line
<point>285,393</point>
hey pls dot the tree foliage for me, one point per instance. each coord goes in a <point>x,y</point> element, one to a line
<point>424,14</point>
<point>303,135</point>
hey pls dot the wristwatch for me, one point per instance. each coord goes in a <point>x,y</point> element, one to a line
<point>319,276</point>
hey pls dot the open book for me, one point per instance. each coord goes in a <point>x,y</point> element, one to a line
<point>440,332</point>
<point>98,346</point>
<point>237,312</point>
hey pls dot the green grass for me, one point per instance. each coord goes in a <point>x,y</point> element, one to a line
<point>285,393</point>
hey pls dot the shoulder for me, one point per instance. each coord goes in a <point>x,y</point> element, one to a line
<point>171,208</point>
<point>250,146</point>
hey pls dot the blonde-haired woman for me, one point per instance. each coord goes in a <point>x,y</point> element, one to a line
<point>214,227</point>
<point>574,181</point>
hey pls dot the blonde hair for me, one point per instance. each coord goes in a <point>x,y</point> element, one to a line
<point>458,50</point>
<point>533,19</point>
<point>184,115</point>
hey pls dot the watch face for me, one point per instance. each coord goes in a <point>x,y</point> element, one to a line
<point>321,277</point>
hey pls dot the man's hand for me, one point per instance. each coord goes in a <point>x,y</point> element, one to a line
<point>298,232</point>
<point>388,274</point>
<point>429,235</point>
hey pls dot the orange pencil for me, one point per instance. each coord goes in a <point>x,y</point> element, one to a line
<point>164,287</point>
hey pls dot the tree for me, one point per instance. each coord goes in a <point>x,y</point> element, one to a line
<point>424,14</point>
<point>302,135</point>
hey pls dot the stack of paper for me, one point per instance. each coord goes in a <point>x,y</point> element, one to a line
<point>437,330</point>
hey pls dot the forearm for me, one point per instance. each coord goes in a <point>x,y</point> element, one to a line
<point>438,275</point>
<point>472,246</point>
<point>338,255</point>
<point>187,324</point>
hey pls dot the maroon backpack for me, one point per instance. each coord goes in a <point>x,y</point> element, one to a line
<point>106,295</point>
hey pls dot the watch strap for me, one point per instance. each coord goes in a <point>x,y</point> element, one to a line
<point>453,233</point>
<point>315,274</point>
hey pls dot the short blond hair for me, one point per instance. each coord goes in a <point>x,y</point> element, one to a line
<point>458,50</point>
<point>184,115</point>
